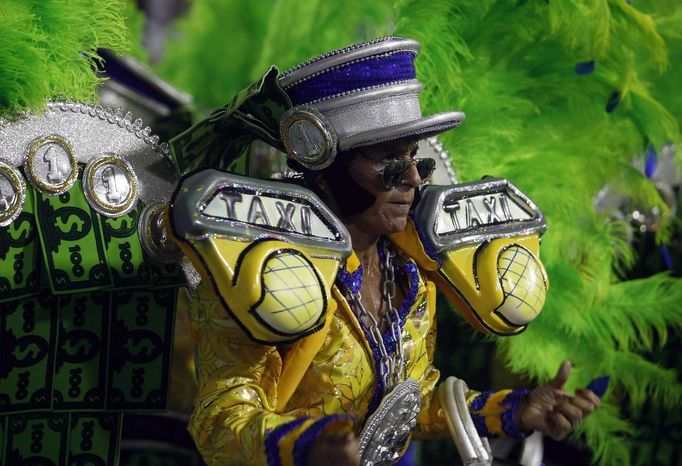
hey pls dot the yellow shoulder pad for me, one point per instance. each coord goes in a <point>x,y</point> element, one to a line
<point>270,250</point>
<point>486,236</point>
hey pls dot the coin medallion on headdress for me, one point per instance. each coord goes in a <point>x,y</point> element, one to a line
<point>308,137</point>
<point>51,165</point>
<point>154,235</point>
<point>110,185</point>
<point>12,193</point>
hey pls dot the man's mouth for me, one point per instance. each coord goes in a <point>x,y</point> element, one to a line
<point>401,206</point>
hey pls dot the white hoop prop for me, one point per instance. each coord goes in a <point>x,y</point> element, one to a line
<point>473,450</point>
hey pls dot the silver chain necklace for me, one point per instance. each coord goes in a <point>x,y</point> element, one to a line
<point>392,366</point>
<point>388,428</point>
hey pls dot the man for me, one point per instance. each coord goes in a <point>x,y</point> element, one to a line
<point>548,409</point>
<point>367,385</point>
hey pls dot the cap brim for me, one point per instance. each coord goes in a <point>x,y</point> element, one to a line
<point>421,129</point>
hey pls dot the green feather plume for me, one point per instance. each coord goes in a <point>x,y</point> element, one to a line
<point>246,38</point>
<point>665,86</point>
<point>47,48</point>
<point>135,23</point>
<point>215,48</point>
<point>561,137</point>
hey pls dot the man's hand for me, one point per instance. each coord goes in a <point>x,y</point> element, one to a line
<point>334,450</point>
<point>548,409</point>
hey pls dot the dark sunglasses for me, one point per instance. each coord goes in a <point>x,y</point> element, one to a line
<point>396,171</point>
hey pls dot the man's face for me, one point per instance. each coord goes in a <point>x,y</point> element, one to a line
<point>388,213</point>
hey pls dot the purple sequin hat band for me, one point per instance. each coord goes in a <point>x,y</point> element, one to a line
<point>364,74</point>
<point>346,56</point>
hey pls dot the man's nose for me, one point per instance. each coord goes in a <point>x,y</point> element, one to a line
<point>412,176</point>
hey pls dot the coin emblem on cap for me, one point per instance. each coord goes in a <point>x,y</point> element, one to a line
<point>12,194</point>
<point>308,137</point>
<point>51,166</point>
<point>110,185</point>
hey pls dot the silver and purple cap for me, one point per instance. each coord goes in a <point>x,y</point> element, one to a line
<point>360,95</point>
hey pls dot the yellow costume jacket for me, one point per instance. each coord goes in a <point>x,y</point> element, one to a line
<point>239,419</point>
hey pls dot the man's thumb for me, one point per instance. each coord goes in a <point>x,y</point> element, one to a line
<point>561,376</point>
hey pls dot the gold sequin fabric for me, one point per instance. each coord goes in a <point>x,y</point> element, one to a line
<point>237,402</point>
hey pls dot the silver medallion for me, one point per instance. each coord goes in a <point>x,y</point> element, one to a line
<point>154,236</point>
<point>110,185</point>
<point>12,193</point>
<point>386,432</point>
<point>51,166</point>
<point>308,137</point>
